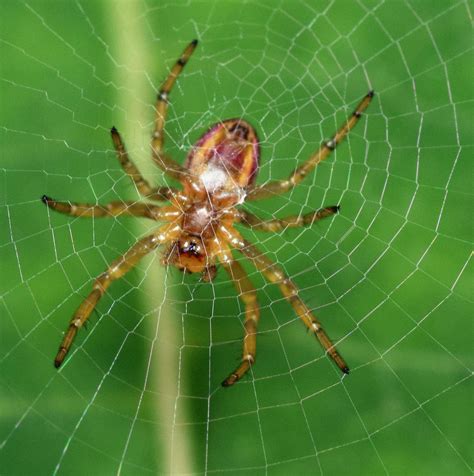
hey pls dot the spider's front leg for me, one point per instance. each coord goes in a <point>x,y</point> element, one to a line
<point>281,186</point>
<point>293,221</point>
<point>169,166</point>
<point>248,295</point>
<point>274,274</point>
<point>115,271</point>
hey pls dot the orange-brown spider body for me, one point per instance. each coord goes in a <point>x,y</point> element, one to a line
<point>221,166</point>
<point>217,178</point>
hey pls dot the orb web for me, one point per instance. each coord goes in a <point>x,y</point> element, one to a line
<point>389,276</point>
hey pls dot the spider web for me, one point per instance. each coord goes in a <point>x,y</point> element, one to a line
<point>390,276</point>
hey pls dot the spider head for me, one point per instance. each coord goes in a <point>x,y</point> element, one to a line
<point>189,254</point>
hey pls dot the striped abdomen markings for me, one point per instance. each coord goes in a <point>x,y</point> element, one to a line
<point>226,157</point>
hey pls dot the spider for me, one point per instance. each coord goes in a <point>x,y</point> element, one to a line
<point>219,175</point>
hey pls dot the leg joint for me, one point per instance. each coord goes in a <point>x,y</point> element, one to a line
<point>76,323</point>
<point>249,358</point>
<point>163,96</point>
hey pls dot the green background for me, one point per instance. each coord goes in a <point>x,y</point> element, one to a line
<point>390,277</point>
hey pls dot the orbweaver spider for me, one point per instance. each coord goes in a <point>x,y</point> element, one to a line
<point>219,174</point>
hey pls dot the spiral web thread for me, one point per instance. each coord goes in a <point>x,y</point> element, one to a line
<point>388,277</point>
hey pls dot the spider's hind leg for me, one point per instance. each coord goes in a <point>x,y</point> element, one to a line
<point>169,166</point>
<point>143,187</point>
<point>277,187</point>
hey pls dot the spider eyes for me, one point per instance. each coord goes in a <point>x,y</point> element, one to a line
<point>187,254</point>
<point>190,247</point>
<point>190,255</point>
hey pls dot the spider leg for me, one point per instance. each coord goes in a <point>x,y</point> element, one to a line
<point>248,295</point>
<point>115,271</point>
<point>166,164</point>
<point>113,209</point>
<point>281,186</point>
<point>145,189</point>
<point>274,274</point>
<point>293,221</point>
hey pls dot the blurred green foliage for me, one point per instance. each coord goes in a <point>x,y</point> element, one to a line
<point>390,276</point>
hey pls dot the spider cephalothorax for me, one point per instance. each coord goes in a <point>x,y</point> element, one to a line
<point>190,255</point>
<point>218,176</point>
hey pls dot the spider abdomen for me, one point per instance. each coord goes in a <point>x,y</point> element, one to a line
<point>225,158</point>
